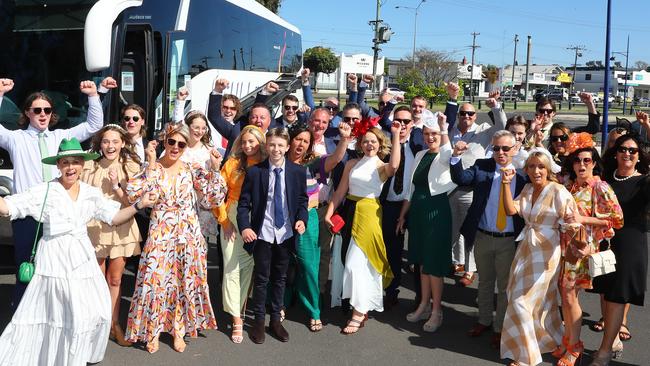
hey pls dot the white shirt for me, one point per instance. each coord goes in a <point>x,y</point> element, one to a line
<point>409,157</point>
<point>488,220</point>
<point>139,149</point>
<point>24,151</point>
<point>269,232</point>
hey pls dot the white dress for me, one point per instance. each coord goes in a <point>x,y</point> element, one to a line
<point>362,284</point>
<point>64,318</point>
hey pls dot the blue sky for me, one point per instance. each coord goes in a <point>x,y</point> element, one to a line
<point>446,25</point>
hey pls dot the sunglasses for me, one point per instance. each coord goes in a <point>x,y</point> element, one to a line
<point>404,121</point>
<point>228,108</point>
<point>332,108</point>
<point>127,118</point>
<point>290,107</point>
<point>631,150</point>
<point>545,111</point>
<point>38,110</point>
<point>466,113</point>
<point>382,104</point>
<point>558,138</point>
<point>172,142</point>
<point>585,161</point>
<point>496,148</point>
<point>351,119</point>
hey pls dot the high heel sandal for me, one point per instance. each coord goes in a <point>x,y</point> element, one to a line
<point>421,313</point>
<point>153,345</point>
<point>572,351</point>
<point>117,335</point>
<point>617,348</point>
<point>354,324</point>
<point>237,335</point>
<point>561,348</point>
<point>179,344</point>
<point>433,323</point>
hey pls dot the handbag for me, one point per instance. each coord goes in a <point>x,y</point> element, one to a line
<point>26,269</point>
<point>601,263</point>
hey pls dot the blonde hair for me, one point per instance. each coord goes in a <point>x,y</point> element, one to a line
<point>238,153</point>
<point>544,159</point>
<point>384,143</point>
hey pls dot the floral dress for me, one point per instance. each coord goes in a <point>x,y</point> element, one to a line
<point>171,292</point>
<point>598,193</point>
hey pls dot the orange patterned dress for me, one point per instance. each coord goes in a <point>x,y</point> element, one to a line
<point>171,291</point>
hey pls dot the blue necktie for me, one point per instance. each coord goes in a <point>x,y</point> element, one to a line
<point>278,219</point>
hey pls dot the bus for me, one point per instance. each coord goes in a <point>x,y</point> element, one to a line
<point>151,47</point>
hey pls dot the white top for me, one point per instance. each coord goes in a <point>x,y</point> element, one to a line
<point>25,154</point>
<point>408,157</point>
<point>199,154</point>
<point>439,175</point>
<point>478,136</point>
<point>65,245</point>
<point>364,178</point>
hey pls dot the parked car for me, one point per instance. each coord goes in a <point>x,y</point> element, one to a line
<point>575,98</point>
<point>396,91</point>
<point>511,95</point>
<point>596,98</point>
<point>557,95</point>
<point>540,94</point>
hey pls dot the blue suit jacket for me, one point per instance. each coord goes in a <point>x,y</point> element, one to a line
<point>255,190</point>
<point>480,177</point>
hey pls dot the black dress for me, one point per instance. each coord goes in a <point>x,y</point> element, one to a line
<point>630,244</point>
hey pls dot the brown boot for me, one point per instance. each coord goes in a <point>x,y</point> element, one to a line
<point>256,334</point>
<point>279,331</point>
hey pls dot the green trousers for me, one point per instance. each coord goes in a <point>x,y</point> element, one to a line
<point>308,254</point>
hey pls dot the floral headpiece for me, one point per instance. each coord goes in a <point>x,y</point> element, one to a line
<point>577,141</point>
<point>297,128</point>
<point>360,128</point>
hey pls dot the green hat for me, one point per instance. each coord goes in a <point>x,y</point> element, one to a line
<point>69,147</point>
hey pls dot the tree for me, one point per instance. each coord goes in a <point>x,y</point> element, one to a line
<point>641,65</point>
<point>320,59</point>
<point>436,67</point>
<point>272,5</point>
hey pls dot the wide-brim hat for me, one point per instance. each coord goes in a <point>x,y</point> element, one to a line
<point>69,147</point>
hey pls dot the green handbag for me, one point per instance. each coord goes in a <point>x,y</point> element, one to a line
<point>26,269</point>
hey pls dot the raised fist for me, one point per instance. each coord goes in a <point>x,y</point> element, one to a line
<point>491,102</point>
<point>452,90</point>
<point>109,83</point>
<point>304,74</point>
<point>220,85</point>
<point>352,78</point>
<point>182,93</point>
<point>586,98</point>
<point>495,94</point>
<point>459,148</point>
<point>271,87</point>
<point>5,86</point>
<point>88,87</point>
<point>368,79</point>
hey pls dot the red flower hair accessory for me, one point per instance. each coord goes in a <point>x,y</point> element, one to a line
<point>360,128</point>
<point>577,141</point>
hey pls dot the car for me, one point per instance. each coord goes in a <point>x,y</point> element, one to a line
<point>557,94</point>
<point>511,95</point>
<point>540,94</point>
<point>575,98</point>
<point>396,91</point>
<point>596,98</point>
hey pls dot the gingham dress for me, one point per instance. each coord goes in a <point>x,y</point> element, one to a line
<point>532,323</point>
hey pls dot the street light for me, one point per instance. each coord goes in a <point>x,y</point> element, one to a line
<point>415,25</point>
<point>626,54</point>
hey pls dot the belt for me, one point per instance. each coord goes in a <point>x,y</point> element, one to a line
<point>496,234</point>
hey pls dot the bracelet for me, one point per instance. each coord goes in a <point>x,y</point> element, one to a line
<point>117,186</point>
<point>136,206</point>
<point>444,133</point>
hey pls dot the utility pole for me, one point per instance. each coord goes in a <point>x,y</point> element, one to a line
<point>530,44</point>
<point>376,42</point>
<point>471,73</point>
<point>606,84</point>
<point>514,61</point>
<point>577,50</point>
<point>627,57</point>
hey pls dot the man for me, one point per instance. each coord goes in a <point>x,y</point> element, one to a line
<point>291,111</point>
<point>487,227</point>
<point>477,137</point>
<point>26,148</point>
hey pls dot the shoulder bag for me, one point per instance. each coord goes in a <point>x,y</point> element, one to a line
<point>26,269</point>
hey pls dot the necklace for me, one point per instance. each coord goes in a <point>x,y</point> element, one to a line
<point>624,178</point>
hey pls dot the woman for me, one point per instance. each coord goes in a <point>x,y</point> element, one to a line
<point>110,173</point>
<point>64,317</point>
<point>171,290</point>
<point>133,120</point>
<point>248,150</point>
<point>307,249</point>
<point>532,323</point>
<point>429,219</point>
<point>545,112</point>
<point>557,142</point>
<point>366,263</point>
<point>599,212</point>
<point>626,170</point>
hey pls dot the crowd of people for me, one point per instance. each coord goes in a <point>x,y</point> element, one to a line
<point>521,205</point>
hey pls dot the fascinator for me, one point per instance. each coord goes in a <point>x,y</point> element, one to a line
<point>577,141</point>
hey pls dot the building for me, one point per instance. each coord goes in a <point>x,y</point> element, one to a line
<point>592,78</point>
<point>359,64</point>
<point>540,77</point>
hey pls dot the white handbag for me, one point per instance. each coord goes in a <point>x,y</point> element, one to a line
<point>602,263</point>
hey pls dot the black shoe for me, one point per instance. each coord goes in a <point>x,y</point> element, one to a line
<point>345,306</point>
<point>256,334</point>
<point>390,301</point>
<point>278,330</point>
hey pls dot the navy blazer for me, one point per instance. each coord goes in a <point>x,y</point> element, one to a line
<point>255,191</point>
<point>480,177</point>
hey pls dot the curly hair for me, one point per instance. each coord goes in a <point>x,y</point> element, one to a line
<point>127,153</point>
<point>237,153</point>
<point>384,143</point>
<point>195,115</point>
<point>295,130</point>
<point>54,118</point>
<point>234,101</point>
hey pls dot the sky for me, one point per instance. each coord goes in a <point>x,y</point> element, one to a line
<point>446,25</point>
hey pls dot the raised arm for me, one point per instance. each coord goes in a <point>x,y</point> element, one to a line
<point>224,127</point>
<point>593,124</point>
<point>389,169</point>
<point>353,90</point>
<point>451,109</point>
<point>6,85</point>
<point>306,89</point>
<point>460,176</point>
<point>644,121</point>
<point>508,203</point>
<point>84,131</point>
<point>179,104</point>
<point>345,131</point>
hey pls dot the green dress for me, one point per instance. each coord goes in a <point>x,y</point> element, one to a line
<point>429,223</point>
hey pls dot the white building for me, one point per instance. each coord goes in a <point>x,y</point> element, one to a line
<point>349,64</point>
<point>591,79</point>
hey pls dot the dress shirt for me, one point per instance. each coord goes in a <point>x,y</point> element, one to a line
<point>269,232</point>
<point>22,145</point>
<point>408,157</point>
<point>488,220</point>
<point>139,149</point>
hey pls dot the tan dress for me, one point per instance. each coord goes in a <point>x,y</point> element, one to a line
<point>532,323</point>
<point>112,241</point>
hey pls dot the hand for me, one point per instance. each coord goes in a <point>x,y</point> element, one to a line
<point>368,79</point>
<point>345,130</point>
<point>248,235</point>
<point>182,93</point>
<point>491,102</point>
<point>88,87</point>
<point>148,200</point>
<point>507,175</point>
<point>304,109</point>
<point>109,83</point>
<point>643,119</point>
<point>220,85</point>
<point>495,94</point>
<point>459,148</point>
<point>304,75</point>
<point>401,226</point>
<point>399,98</point>
<point>570,218</point>
<point>352,78</point>
<point>228,230</point>
<point>271,87</point>
<point>395,128</point>
<point>442,122</point>
<point>112,175</point>
<point>452,90</point>
<point>150,152</point>
<point>328,221</point>
<point>300,227</point>
<point>5,86</point>
<point>581,252</point>
<point>539,138</point>
<point>215,159</point>
<point>586,98</point>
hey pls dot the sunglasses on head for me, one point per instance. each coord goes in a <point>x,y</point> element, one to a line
<point>351,119</point>
<point>545,111</point>
<point>134,118</point>
<point>496,148</point>
<point>404,121</point>
<point>631,150</point>
<point>466,113</point>
<point>585,161</point>
<point>172,142</point>
<point>290,107</point>
<point>38,110</point>
<point>558,138</point>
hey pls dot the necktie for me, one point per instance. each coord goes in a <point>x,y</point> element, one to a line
<point>398,185</point>
<point>278,217</point>
<point>501,211</point>
<point>42,146</point>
